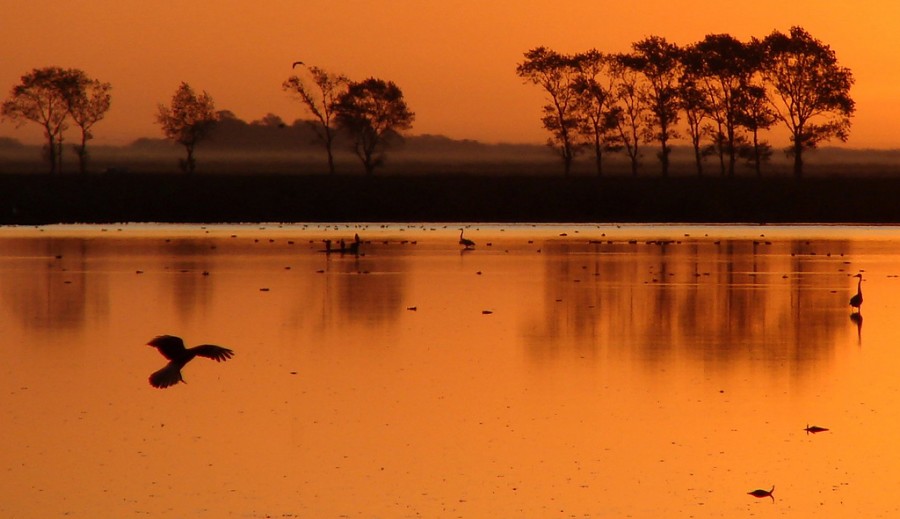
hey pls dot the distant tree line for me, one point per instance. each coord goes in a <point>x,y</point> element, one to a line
<point>52,97</point>
<point>726,90</point>
<point>720,93</point>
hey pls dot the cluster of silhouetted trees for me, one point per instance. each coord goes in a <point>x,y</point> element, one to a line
<point>727,92</point>
<point>52,97</point>
<point>371,112</point>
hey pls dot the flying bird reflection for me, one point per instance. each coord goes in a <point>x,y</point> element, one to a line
<point>172,348</point>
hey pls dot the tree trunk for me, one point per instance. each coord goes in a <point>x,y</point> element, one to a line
<point>798,154</point>
<point>330,161</point>
<point>188,166</point>
<point>51,152</point>
<point>329,140</point>
<point>698,157</point>
<point>664,156</point>
<point>756,157</point>
<point>59,154</point>
<point>82,154</point>
<point>732,151</point>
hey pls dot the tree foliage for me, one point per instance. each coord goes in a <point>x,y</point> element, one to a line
<point>187,121</point>
<point>373,112</point>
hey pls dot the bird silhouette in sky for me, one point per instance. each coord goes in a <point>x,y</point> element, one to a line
<point>294,65</point>
<point>172,348</point>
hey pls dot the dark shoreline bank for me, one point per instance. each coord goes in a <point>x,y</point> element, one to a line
<point>205,198</point>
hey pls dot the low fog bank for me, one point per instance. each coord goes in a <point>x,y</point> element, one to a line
<point>257,149</point>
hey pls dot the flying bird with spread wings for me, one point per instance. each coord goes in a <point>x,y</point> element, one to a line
<point>172,348</point>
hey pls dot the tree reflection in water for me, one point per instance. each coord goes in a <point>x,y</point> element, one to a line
<point>710,300</point>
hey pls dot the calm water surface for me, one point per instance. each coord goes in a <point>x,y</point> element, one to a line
<point>554,371</point>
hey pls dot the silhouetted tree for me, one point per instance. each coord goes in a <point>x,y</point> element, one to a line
<point>321,104</point>
<point>659,62</point>
<point>694,103</point>
<point>723,66</point>
<point>372,112</point>
<point>595,103</point>
<point>556,73</point>
<point>755,114</point>
<point>630,110</point>
<point>187,121</point>
<point>43,97</point>
<point>89,100</point>
<point>810,91</point>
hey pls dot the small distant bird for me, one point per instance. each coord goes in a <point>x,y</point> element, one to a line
<point>857,300</point>
<point>465,241</point>
<point>814,429</point>
<point>172,348</point>
<point>763,493</point>
<point>294,65</point>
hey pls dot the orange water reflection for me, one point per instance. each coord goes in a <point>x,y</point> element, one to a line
<point>638,372</point>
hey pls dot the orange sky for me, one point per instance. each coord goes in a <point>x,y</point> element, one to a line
<point>455,60</point>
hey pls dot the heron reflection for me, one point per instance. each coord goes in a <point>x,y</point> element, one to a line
<point>172,348</point>
<point>857,319</point>
<point>857,300</point>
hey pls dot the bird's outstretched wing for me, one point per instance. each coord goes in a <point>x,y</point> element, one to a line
<point>169,375</point>
<point>169,346</point>
<point>211,351</point>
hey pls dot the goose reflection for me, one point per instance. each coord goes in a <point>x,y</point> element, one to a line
<point>172,348</point>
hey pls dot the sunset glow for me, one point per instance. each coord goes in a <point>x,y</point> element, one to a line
<point>455,61</point>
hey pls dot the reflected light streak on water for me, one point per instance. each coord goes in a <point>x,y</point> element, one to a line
<point>638,371</point>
